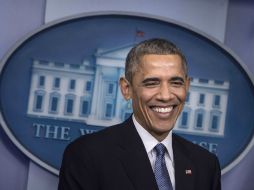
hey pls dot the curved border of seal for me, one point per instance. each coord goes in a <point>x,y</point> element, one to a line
<point>116,13</point>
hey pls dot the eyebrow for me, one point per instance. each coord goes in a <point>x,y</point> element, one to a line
<point>177,79</point>
<point>157,79</point>
<point>150,80</point>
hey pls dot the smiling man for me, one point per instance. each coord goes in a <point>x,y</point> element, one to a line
<point>158,90</point>
<point>142,153</point>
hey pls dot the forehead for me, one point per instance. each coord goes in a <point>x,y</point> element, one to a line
<point>153,62</point>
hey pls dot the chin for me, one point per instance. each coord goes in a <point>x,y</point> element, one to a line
<point>163,129</point>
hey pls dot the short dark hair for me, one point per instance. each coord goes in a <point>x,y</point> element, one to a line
<point>152,46</point>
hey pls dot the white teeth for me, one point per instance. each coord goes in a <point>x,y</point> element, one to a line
<point>163,110</point>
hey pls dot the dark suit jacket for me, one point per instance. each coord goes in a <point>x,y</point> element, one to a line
<point>116,159</point>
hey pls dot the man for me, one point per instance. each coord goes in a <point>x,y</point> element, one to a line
<point>127,156</point>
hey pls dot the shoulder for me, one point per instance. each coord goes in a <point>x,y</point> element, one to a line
<point>101,137</point>
<point>202,162</point>
<point>196,151</point>
<point>205,162</point>
<point>102,140</point>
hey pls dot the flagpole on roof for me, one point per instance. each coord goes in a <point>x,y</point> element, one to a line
<point>138,34</point>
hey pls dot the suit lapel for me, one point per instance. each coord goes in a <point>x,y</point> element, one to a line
<point>185,170</point>
<point>136,163</point>
<point>134,158</point>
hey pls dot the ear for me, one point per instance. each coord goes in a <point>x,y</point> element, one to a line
<point>125,88</point>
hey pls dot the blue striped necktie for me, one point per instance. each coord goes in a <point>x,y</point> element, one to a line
<point>160,169</point>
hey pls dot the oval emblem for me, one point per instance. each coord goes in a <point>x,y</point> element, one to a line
<point>61,82</point>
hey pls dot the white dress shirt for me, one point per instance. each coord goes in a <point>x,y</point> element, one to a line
<point>150,142</point>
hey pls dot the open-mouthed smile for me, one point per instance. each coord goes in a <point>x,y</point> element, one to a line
<point>162,109</point>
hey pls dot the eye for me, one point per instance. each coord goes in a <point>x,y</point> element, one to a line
<point>177,83</point>
<point>151,84</point>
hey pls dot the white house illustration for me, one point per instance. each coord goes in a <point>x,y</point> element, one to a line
<point>89,93</point>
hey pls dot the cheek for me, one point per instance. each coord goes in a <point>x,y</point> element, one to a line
<point>142,98</point>
<point>141,103</point>
<point>137,102</point>
<point>182,98</point>
<point>181,95</point>
<point>147,95</point>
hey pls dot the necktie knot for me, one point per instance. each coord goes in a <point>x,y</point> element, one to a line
<point>160,149</point>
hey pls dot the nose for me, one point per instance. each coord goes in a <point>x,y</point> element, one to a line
<point>165,93</point>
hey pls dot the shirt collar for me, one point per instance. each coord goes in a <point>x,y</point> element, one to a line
<point>150,142</point>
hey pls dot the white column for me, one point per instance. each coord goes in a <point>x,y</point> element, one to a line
<point>96,91</point>
<point>118,98</point>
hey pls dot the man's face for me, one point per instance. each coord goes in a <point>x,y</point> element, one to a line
<point>158,92</point>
